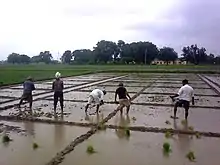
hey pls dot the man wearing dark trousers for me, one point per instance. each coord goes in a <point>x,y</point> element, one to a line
<point>58,92</point>
<point>122,93</point>
<point>185,95</point>
<point>27,92</point>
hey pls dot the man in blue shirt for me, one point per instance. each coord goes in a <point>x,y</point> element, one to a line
<point>27,92</point>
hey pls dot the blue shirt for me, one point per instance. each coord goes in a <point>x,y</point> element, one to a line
<point>28,86</point>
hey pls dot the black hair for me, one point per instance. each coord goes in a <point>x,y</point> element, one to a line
<point>121,84</point>
<point>104,92</point>
<point>185,81</point>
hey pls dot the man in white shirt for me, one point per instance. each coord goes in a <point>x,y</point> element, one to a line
<point>95,97</point>
<point>185,95</point>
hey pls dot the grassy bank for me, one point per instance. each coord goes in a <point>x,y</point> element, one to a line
<point>10,74</point>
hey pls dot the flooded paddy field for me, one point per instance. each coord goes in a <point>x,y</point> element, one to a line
<point>65,139</point>
<point>114,147</point>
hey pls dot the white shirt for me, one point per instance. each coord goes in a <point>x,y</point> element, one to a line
<point>186,92</point>
<point>96,96</point>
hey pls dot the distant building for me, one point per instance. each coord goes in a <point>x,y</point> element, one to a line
<point>161,62</point>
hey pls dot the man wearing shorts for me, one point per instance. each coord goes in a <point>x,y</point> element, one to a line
<point>58,92</point>
<point>95,97</point>
<point>122,93</point>
<point>27,92</point>
<point>185,95</point>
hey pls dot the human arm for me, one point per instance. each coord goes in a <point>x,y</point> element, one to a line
<point>177,94</point>
<point>116,93</point>
<point>62,86</point>
<point>193,99</point>
<point>53,85</point>
<point>33,87</point>
<point>128,95</point>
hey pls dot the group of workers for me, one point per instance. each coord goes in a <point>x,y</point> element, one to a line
<point>182,98</point>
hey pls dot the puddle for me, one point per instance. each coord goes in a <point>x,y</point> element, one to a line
<point>51,141</point>
<point>143,148</point>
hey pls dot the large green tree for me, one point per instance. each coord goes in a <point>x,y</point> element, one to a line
<point>17,58</point>
<point>67,57</point>
<point>140,52</point>
<point>105,51</point>
<point>83,56</point>
<point>167,54</point>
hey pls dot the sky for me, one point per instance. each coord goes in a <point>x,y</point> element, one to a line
<point>31,26</point>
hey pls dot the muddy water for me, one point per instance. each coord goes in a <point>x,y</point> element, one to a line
<point>15,92</point>
<point>50,138</point>
<point>144,148</point>
<point>205,101</point>
<point>108,88</point>
<point>157,116</point>
<point>180,85</point>
<point>72,111</point>
<point>175,90</point>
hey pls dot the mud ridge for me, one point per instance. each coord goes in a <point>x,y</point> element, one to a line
<point>204,79</point>
<point>164,130</point>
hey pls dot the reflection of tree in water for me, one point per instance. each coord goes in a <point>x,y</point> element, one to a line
<point>59,131</point>
<point>123,122</point>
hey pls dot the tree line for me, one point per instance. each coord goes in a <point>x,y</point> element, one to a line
<point>122,53</point>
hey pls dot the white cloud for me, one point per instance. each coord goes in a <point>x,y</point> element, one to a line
<point>31,26</point>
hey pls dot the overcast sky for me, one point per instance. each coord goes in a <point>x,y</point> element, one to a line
<point>31,26</point>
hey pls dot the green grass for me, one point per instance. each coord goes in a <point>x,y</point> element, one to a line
<point>18,73</point>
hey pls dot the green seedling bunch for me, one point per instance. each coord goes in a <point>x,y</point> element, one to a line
<point>166,148</point>
<point>35,146</point>
<point>191,128</point>
<point>168,122</point>
<point>191,156</point>
<point>168,134</point>
<point>127,132</point>
<point>6,139</point>
<point>90,149</point>
<point>198,135</point>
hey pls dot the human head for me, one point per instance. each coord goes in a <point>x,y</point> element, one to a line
<point>29,78</point>
<point>121,84</point>
<point>57,75</point>
<point>185,81</point>
<point>104,92</point>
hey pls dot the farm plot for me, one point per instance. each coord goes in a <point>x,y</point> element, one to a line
<point>151,109</point>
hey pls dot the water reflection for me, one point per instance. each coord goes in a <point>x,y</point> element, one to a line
<point>29,127</point>
<point>94,119</point>
<point>124,121</point>
<point>183,141</point>
<point>59,132</point>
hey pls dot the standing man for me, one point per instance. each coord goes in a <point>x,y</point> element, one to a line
<point>185,95</point>
<point>58,92</point>
<point>27,92</point>
<point>123,100</point>
<point>96,97</point>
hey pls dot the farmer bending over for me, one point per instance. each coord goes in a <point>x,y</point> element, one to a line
<point>185,95</point>
<point>96,97</point>
<point>27,92</point>
<point>58,92</point>
<point>123,100</point>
